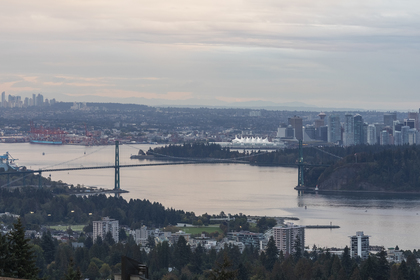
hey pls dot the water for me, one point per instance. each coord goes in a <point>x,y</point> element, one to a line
<point>236,188</point>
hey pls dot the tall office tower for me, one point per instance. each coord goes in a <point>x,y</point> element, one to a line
<point>397,138</point>
<point>410,123</point>
<point>39,100</point>
<point>26,102</point>
<point>289,237</point>
<point>348,136</point>
<point>359,245</point>
<point>404,134</point>
<point>415,117</point>
<point>52,101</point>
<point>389,118</point>
<point>3,99</point>
<point>384,137</point>
<point>290,132</point>
<point>322,133</point>
<point>371,134</point>
<point>379,128</point>
<point>297,124</point>
<point>358,130</point>
<point>365,127</point>
<point>34,100</point>
<point>412,136</point>
<point>281,131</point>
<point>334,128</point>
<point>309,133</point>
<point>101,228</point>
<point>396,126</point>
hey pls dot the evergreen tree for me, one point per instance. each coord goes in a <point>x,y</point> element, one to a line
<point>22,260</point>
<point>47,244</point>
<point>4,257</point>
<point>383,267</point>
<point>71,273</point>
<point>88,242</point>
<point>182,253</point>
<point>109,239</point>
<point>223,271</point>
<point>271,254</point>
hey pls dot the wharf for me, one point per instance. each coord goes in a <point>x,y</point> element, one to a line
<point>322,226</point>
<point>98,192</point>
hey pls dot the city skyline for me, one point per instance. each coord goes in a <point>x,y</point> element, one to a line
<point>348,54</point>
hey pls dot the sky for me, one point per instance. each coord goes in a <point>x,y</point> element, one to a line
<point>343,53</point>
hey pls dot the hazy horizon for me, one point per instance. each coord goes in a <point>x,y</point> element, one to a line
<point>348,54</point>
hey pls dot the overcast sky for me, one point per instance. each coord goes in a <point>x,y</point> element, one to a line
<point>341,53</point>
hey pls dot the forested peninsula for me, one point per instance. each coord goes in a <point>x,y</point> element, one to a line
<point>360,168</point>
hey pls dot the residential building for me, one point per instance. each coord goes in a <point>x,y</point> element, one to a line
<point>141,236</point>
<point>371,134</point>
<point>348,136</point>
<point>334,128</point>
<point>101,228</point>
<point>246,237</point>
<point>359,245</point>
<point>289,237</point>
<point>358,130</point>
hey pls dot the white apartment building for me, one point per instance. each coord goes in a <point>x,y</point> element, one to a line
<point>286,238</point>
<point>101,228</point>
<point>359,245</point>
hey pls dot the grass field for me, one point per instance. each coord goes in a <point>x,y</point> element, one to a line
<point>199,230</point>
<point>73,227</point>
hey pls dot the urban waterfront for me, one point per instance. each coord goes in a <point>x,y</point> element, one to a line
<point>235,188</point>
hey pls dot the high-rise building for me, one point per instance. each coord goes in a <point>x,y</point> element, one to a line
<point>410,122</point>
<point>358,130</point>
<point>359,245</point>
<point>39,100</point>
<point>297,124</point>
<point>389,118</point>
<point>371,134</point>
<point>414,116</point>
<point>412,136</point>
<point>404,134</point>
<point>397,138</point>
<point>3,99</point>
<point>384,137</point>
<point>320,122</point>
<point>289,238</point>
<point>334,129</point>
<point>290,132</point>
<point>348,136</point>
<point>101,228</point>
<point>322,133</point>
<point>309,133</point>
<point>142,236</point>
<point>379,128</point>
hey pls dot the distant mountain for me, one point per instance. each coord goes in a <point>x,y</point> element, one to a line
<point>210,103</point>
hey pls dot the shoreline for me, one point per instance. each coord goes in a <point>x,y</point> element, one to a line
<point>312,190</point>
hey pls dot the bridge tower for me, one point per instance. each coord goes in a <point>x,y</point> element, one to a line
<point>301,182</point>
<point>117,166</point>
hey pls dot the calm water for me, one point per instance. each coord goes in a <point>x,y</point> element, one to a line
<point>235,188</point>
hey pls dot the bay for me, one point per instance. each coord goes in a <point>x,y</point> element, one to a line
<point>235,188</point>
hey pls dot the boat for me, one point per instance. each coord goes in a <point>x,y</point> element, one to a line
<point>46,142</point>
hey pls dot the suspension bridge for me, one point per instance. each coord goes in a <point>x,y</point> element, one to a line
<point>180,161</point>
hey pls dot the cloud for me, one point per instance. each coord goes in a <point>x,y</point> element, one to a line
<point>303,24</point>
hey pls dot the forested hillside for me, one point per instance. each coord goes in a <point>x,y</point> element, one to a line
<point>393,169</point>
